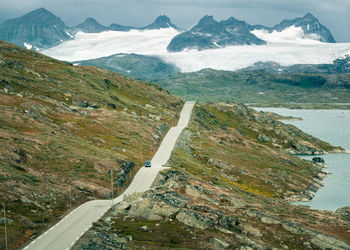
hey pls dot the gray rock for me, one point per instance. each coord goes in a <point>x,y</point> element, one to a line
<point>8,221</point>
<point>194,219</point>
<point>128,238</point>
<point>248,229</point>
<point>264,138</point>
<point>318,160</point>
<point>219,242</point>
<point>325,242</point>
<point>344,212</point>
<point>269,220</point>
<point>144,228</point>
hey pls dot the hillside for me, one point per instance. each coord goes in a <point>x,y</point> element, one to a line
<point>63,129</point>
<point>134,66</point>
<point>229,183</point>
<point>259,87</point>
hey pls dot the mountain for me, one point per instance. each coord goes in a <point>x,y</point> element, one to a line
<point>161,22</point>
<point>117,27</point>
<point>339,66</point>
<point>38,29</point>
<point>310,25</point>
<point>90,25</point>
<point>209,34</point>
<point>63,129</point>
<point>134,66</point>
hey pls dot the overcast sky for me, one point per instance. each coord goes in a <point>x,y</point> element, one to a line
<point>334,14</point>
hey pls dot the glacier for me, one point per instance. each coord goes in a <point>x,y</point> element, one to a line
<point>288,47</point>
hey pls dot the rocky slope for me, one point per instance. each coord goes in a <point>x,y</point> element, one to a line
<point>90,25</point>
<point>134,65</point>
<point>310,25</point>
<point>226,188</point>
<point>209,34</point>
<point>38,29</point>
<point>63,129</point>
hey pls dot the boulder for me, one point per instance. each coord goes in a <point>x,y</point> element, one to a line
<point>219,242</point>
<point>248,229</point>
<point>318,160</point>
<point>325,242</point>
<point>194,219</point>
<point>344,212</point>
<point>144,228</point>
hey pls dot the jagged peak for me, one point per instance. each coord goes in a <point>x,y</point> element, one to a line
<point>40,11</point>
<point>161,21</point>
<point>309,16</point>
<point>206,20</point>
<point>90,20</point>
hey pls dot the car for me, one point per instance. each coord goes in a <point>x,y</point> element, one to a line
<point>147,164</point>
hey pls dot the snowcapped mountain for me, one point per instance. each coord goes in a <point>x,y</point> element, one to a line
<point>307,27</point>
<point>35,30</point>
<point>41,29</point>
<point>225,45</point>
<point>210,34</point>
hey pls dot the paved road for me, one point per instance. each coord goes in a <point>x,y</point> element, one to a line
<point>66,232</point>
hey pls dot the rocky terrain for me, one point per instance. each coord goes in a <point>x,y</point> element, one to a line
<point>259,87</point>
<point>227,186</point>
<point>136,66</point>
<point>41,29</point>
<point>63,130</point>
<point>210,34</point>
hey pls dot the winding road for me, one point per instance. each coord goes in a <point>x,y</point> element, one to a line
<point>66,232</point>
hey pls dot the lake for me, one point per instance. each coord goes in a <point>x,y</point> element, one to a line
<point>332,126</point>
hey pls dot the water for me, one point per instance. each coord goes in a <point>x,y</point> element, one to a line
<point>332,126</point>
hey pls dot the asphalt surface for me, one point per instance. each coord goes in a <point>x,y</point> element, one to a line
<point>67,231</point>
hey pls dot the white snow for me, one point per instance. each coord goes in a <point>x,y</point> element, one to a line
<point>94,45</point>
<point>291,34</point>
<point>288,47</point>
<point>70,35</point>
<point>28,46</point>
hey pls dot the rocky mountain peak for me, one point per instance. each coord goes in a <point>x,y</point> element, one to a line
<point>310,16</point>
<point>206,20</point>
<point>41,15</point>
<point>161,22</point>
<point>90,25</point>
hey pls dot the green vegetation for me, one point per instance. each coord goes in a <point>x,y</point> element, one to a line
<point>65,128</point>
<point>260,88</point>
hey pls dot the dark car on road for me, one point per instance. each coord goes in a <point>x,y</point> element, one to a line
<point>147,164</point>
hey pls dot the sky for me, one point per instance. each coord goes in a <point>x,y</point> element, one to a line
<point>333,14</point>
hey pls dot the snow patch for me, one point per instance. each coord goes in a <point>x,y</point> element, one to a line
<point>28,46</point>
<point>70,35</point>
<point>291,34</point>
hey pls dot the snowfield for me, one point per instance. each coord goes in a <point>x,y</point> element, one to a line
<point>288,47</point>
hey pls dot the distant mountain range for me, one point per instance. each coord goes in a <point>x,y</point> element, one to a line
<point>339,66</point>
<point>41,29</point>
<point>208,33</point>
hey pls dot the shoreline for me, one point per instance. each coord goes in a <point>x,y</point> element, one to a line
<point>310,192</point>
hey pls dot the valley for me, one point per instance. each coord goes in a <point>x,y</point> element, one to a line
<point>84,106</point>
